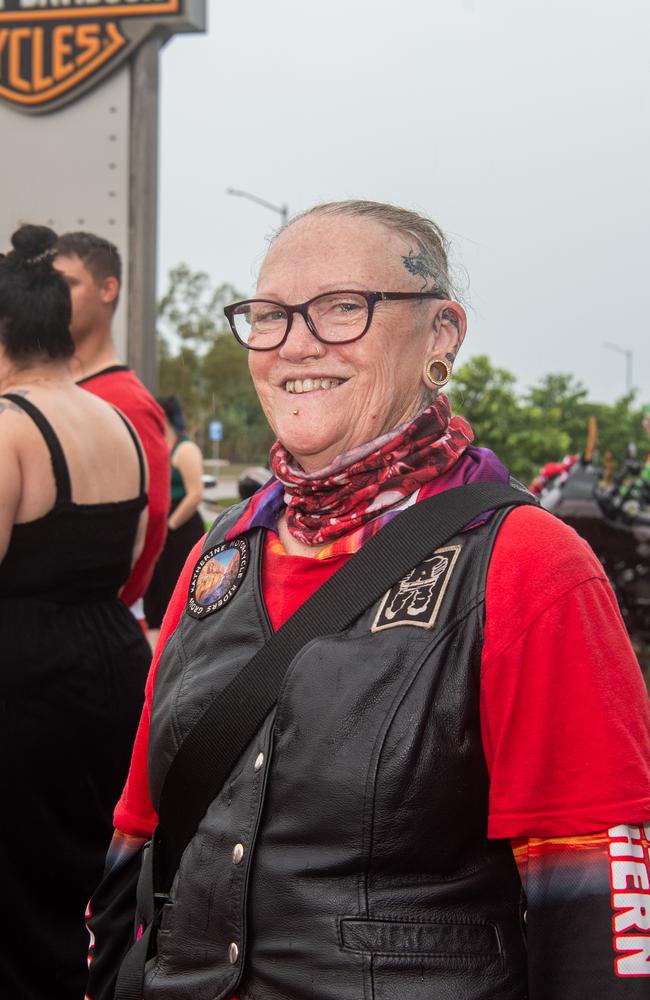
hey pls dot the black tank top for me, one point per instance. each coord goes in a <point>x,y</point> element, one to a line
<point>76,552</point>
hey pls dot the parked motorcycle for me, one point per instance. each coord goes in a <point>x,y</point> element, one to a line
<point>614,518</point>
<point>251,480</point>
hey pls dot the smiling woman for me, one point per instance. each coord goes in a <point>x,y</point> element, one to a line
<point>372,347</point>
<point>377,833</point>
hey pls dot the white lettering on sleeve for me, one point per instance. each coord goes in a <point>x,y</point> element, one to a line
<point>637,963</point>
<point>637,871</point>
<point>625,842</point>
<point>629,869</point>
<point>636,911</point>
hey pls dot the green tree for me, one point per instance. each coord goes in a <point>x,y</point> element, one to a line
<point>202,364</point>
<point>554,421</point>
<point>619,427</point>
<point>191,310</point>
<point>247,436</point>
<point>486,396</point>
<point>544,423</point>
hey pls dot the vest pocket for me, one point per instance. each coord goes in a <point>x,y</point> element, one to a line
<point>472,944</point>
<point>413,958</point>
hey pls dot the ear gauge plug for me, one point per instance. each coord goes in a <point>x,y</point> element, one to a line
<point>437,373</point>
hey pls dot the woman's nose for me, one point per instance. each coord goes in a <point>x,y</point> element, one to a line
<point>300,343</point>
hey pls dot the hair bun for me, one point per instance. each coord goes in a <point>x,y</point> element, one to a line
<point>33,243</point>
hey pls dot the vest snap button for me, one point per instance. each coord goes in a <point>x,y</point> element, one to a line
<point>233,953</point>
<point>259,760</point>
<point>237,853</point>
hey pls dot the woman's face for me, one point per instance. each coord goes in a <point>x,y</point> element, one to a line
<point>381,376</point>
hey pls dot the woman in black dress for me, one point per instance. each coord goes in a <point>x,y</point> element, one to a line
<point>73,660</point>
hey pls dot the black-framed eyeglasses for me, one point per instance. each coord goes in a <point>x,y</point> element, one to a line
<point>333,317</point>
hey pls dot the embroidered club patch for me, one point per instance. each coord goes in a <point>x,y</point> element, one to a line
<point>217,577</point>
<point>416,599</point>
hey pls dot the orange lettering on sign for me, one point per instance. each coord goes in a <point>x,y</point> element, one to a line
<point>113,32</point>
<point>41,81</point>
<point>15,79</point>
<point>60,50</point>
<point>41,62</point>
<point>88,42</point>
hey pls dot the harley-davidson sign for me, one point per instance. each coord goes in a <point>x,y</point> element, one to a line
<point>53,50</point>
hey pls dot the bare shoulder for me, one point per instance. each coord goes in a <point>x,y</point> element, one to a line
<point>105,422</point>
<point>10,406</point>
<point>91,403</point>
<point>186,451</point>
<point>16,425</point>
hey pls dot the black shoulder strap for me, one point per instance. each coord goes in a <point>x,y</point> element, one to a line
<point>59,464</point>
<point>138,448</point>
<point>210,750</point>
<point>231,720</point>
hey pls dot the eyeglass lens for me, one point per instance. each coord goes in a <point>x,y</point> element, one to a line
<point>337,316</point>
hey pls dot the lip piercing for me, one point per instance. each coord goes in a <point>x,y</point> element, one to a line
<point>295,412</point>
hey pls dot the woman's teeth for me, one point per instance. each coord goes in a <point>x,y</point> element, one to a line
<point>309,384</point>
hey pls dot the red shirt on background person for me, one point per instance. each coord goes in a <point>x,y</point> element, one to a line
<point>92,268</point>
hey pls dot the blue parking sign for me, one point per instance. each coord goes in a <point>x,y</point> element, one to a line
<point>215,430</point>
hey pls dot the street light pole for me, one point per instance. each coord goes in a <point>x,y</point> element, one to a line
<point>282,210</point>
<point>628,363</point>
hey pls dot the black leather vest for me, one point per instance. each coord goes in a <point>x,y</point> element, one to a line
<point>346,858</point>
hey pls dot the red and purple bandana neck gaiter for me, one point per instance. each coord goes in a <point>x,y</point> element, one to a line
<point>362,483</point>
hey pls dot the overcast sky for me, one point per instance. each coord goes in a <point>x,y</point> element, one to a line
<point>521,126</point>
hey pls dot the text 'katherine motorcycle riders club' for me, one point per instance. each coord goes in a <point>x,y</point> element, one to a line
<point>49,48</point>
<point>629,869</point>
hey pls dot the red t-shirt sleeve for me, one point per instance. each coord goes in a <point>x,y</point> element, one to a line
<point>134,813</point>
<point>564,711</point>
<point>124,390</point>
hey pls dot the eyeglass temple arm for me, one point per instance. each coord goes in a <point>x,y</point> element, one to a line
<point>386,296</point>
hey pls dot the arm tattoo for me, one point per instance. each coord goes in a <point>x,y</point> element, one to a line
<point>422,265</point>
<point>8,404</point>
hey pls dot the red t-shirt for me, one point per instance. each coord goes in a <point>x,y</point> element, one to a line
<point>119,386</point>
<point>564,712</point>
